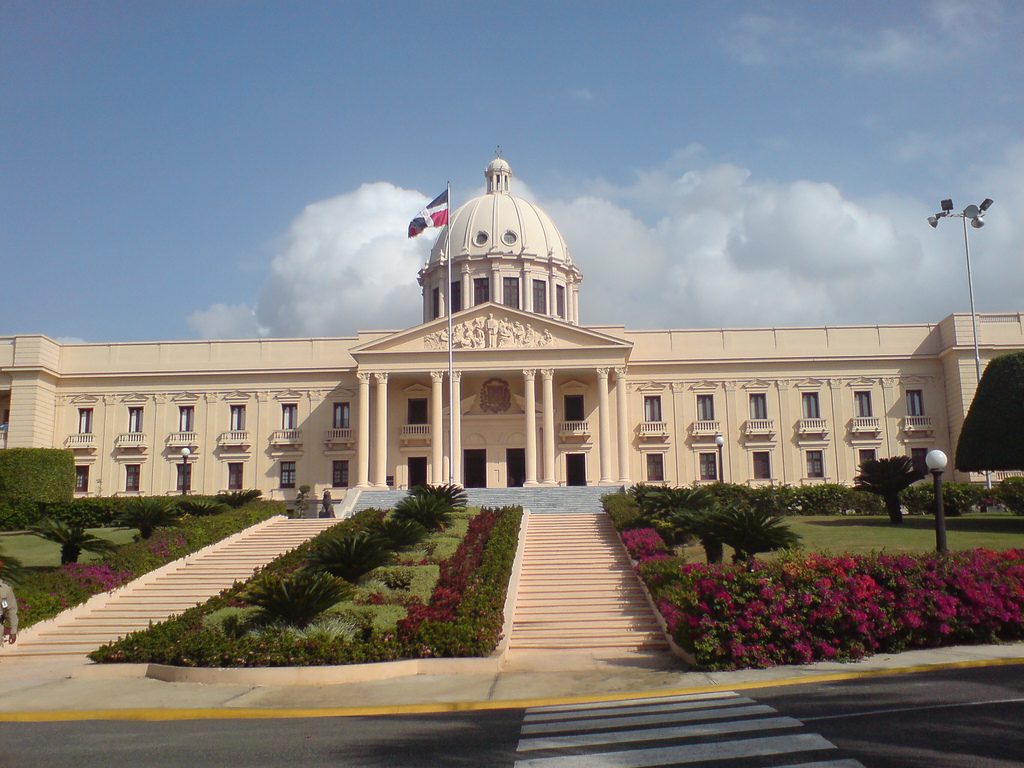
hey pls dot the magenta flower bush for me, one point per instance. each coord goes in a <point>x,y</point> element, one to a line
<point>644,544</point>
<point>803,608</point>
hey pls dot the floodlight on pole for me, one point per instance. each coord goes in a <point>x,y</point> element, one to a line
<point>935,460</point>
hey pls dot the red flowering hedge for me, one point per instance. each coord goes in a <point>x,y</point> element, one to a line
<point>803,608</point>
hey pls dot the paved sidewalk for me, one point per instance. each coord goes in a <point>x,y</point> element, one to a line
<point>41,689</point>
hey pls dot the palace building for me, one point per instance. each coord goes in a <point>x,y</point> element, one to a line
<point>539,398</point>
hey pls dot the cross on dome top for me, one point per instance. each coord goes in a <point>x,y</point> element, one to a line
<point>498,175</point>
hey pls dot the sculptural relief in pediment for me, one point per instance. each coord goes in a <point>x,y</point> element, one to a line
<point>490,333</point>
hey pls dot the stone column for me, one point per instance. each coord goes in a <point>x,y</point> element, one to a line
<point>497,290</point>
<point>456,405</point>
<point>623,424</point>
<point>436,429</point>
<point>363,432</point>
<point>890,427</point>
<point>575,304</point>
<point>548,405</point>
<point>530,426</point>
<point>380,437</point>
<point>603,429</point>
<point>551,292</point>
<point>467,289</point>
<point>527,279</point>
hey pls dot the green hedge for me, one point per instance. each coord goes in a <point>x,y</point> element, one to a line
<point>30,477</point>
<point>1010,493</point>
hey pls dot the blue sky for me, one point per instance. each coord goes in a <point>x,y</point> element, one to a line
<point>187,169</point>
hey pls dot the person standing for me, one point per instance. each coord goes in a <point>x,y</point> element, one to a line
<point>8,611</point>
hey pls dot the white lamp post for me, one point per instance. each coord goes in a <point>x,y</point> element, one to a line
<point>185,453</point>
<point>720,441</point>
<point>976,215</point>
<point>936,463</point>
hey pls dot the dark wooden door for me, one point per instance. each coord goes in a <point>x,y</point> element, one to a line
<point>575,469</point>
<point>417,471</point>
<point>515,467</point>
<point>474,467</point>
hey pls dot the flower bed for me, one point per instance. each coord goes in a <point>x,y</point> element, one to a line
<point>43,595</point>
<point>803,608</point>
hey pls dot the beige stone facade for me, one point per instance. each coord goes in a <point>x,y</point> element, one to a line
<point>541,399</point>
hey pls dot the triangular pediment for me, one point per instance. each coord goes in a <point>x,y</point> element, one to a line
<point>757,384</point>
<point>185,397</point>
<point>135,397</point>
<point>289,395</point>
<point>84,400</point>
<point>704,386</point>
<point>492,327</point>
<point>862,382</point>
<point>236,397</point>
<point>810,383</point>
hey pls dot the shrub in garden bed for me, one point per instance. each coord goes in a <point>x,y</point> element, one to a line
<point>1010,493</point>
<point>804,608</point>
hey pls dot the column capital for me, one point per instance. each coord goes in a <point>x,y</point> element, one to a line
<point>602,373</point>
<point>457,377</point>
<point>437,376</point>
<point>547,373</point>
<point>620,372</point>
<point>529,373</point>
<point>380,378</point>
<point>363,376</point>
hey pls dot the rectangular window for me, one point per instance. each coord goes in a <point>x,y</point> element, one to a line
<point>540,297</point>
<point>655,467</point>
<point>289,416</point>
<point>917,455</point>
<point>339,474</point>
<point>865,454</point>
<point>82,479</point>
<point>560,301</point>
<point>184,483</point>
<point>287,474</point>
<point>342,416</point>
<point>510,292</point>
<point>862,404</point>
<point>237,418</point>
<point>236,474</point>
<point>811,409</point>
<point>815,464</point>
<point>481,290</point>
<point>186,418</point>
<point>915,402</point>
<point>131,477</point>
<point>455,297</point>
<point>435,297</point>
<point>85,421</point>
<point>708,466</point>
<point>758,405</point>
<point>574,408</point>
<point>705,407</point>
<point>652,407</point>
<point>417,411</point>
<point>134,419</point>
<point>762,465</point>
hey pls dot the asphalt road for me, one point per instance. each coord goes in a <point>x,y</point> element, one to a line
<point>970,717</point>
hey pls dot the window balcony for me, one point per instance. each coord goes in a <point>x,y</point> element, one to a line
<point>653,429</point>
<point>131,441</point>
<point>866,424</point>
<point>341,436</point>
<point>182,440</point>
<point>286,437</point>
<point>573,431</point>
<point>85,441</point>
<point>812,427</point>
<point>922,424</point>
<point>760,427</point>
<point>234,438</point>
<point>1002,474</point>
<point>415,434</point>
<point>705,427</point>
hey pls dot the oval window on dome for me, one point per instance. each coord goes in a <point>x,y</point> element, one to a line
<point>509,237</point>
<point>481,238</point>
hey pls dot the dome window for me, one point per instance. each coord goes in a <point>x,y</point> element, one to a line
<point>510,237</point>
<point>481,238</point>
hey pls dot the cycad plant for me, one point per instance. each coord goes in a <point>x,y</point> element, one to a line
<point>400,534</point>
<point>676,513</point>
<point>148,514</point>
<point>749,530</point>
<point>431,511</point>
<point>296,599</point>
<point>73,539</point>
<point>454,496</point>
<point>238,498</point>
<point>351,556</point>
<point>203,507</point>
<point>886,478</point>
<point>11,569</point>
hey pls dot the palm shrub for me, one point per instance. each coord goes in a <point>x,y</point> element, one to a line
<point>11,569</point>
<point>886,478</point>
<point>430,511</point>
<point>202,507</point>
<point>73,539</point>
<point>1010,493</point>
<point>640,491</point>
<point>350,556</point>
<point>454,496</point>
<point>749,531</point>
<point>400,534</point>
<point>296,599</point>
<point>237,499</point>
<point>147,514</point>
<point>666,510</point>
<point>700,523</point>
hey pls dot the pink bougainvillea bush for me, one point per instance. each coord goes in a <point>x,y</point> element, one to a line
<point>803,608</point>
<point>644,544</point>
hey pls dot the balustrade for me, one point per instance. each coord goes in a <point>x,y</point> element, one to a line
<point>178,439</point>
<point>865,424</point>
<point>812,427</point>
<point>286,437</point>
<point>84,440</point>
<point>760,426</point>
<point>705,427</point>
<point>233,437</point>
<point>130,440</point>
<point>917,423</point>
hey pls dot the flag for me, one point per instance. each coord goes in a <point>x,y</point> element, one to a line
<point>434,215</point>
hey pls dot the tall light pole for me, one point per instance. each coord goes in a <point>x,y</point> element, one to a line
<point>976,214</point>
<point>936,463</point>
<point>184,470</point>
<point>720,441</point>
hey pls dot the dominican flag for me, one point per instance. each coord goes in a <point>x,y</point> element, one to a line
<point>434,215</point>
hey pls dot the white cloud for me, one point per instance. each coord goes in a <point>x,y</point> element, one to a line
<point>225,321</point>
<point>581,94</point>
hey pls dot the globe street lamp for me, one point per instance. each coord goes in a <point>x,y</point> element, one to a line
<point>720,441</point>
<point>185,452</point>
<point>936,463</point>
<point>976,215</point>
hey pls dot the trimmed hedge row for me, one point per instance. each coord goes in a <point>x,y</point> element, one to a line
<point>30,477</point>
<point>43,595</point>
<point>187,640</point>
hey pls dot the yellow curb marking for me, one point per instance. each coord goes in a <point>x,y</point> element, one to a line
<point>250,713</point>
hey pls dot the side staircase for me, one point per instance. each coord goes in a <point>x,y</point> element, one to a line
<point>537,500</point>
<point>167,591</point>
<point>577,592</point>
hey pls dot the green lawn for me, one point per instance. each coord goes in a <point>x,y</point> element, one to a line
<point>34,552</point>
<point>860,534</point>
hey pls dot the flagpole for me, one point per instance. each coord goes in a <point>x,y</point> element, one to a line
<point>451,367</point>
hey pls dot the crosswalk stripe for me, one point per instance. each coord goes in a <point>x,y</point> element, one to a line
<point>691,753</point>
<point>598,724</point>
<point>640,709</point>
<point>657,734</point>
<point>622,702</point>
